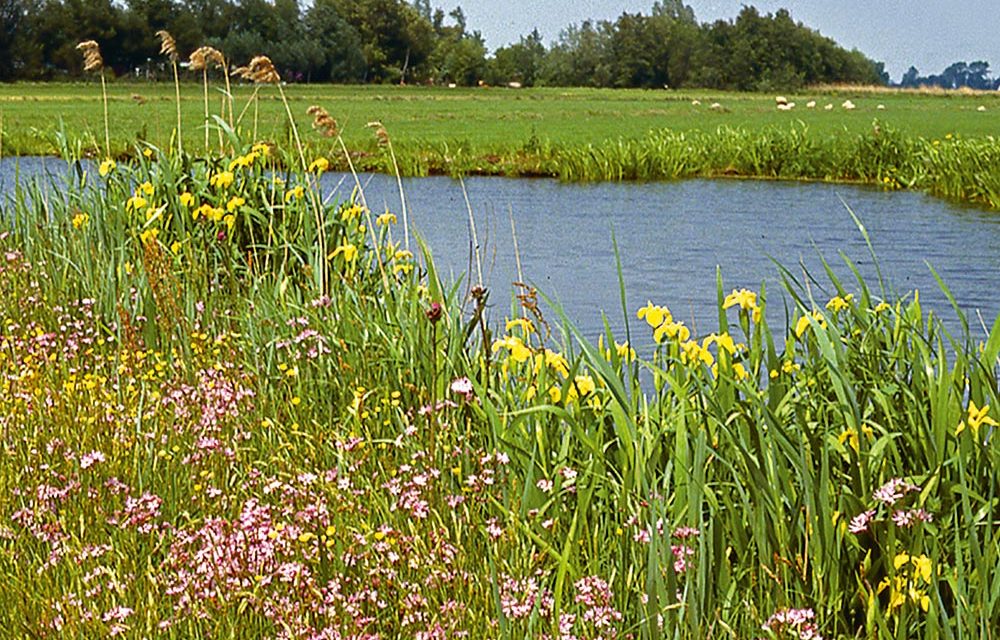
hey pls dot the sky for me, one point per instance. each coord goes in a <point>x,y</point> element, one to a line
<point>929,34</point>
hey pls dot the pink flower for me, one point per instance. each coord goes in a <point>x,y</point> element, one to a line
<point>894,490</point>
<point>90,459</point>
<point>906,519</point>
<point>859,523</point>
<point>463,387</point>
<point>544,485</point>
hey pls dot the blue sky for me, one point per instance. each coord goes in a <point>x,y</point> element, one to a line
<point>930,34</point>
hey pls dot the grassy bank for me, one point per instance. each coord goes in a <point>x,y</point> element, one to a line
<point>233,411</point>
<point>926,141</point>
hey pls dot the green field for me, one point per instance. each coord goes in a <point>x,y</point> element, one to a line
<point>482,122</point>
<point>938,142</point>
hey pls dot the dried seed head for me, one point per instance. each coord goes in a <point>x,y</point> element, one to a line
<point>92,60</point>
<point>168,46</point>
<point>205,57</point>
<point>380,133</point>
<point>260,70</point>
<point>323,122</point>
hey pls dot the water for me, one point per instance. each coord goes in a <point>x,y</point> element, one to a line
<point>672,237</point>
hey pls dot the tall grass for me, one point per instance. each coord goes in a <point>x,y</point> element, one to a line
<point>202,439</point>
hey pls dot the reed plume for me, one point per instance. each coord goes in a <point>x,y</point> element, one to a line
<point>202,59</point>
<point>168,47</point>
<point>323,122</point>
<point>259,71</point>
<point>92,61</point>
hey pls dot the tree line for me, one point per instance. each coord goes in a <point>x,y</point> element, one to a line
<point>971,75</point>
<point>392,41</point>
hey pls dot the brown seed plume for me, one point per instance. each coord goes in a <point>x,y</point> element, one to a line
<point>380,133</point>
<point>205,57</point>
<point>168,46</point>
<point>92,60</point>
<point>323,122</point>
<point>260,71</point>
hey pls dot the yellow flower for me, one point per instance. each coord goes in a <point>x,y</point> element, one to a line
<point>235,203</point>
<point>386,219</point>
<point>923,566</point>
<point>837,303</point>
<point>654,315</point>
<point>671,330</point>
<point>222,180</point>
<point>295,193</point>
<point>724,340</point>
<point>319,165</point>
<point>186,199</point>
<point>976,418</point>
<point>148,153</point>
<point>518,351</point>
<point>106,167</point>
<point>80,220</point>
<point>349,251</point>
<point>306,538</point>
<point>745,298</point>
<point>175,247</point>
<point>230,221</point>
<point>149,235</point>
<point>135,203</point>
<point>692,352</point>
<point>524,323</point>
<point>803,323</point>
<point>262,149</point>
<point>882,306</point>
<point>146,188</point>
<point>351,213</point>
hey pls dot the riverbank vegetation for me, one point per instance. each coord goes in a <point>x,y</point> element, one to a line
<point>233,409</point>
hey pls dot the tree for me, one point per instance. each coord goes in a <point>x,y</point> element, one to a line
<point>520,62</point>
<point>338,43</point>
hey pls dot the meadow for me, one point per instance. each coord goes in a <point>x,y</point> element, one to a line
<point>939,142</point>
<point>233,410</point>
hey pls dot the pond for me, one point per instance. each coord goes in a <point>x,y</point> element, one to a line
<point>672,237</point>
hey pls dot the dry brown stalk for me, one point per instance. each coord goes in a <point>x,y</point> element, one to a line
<point>92,61</point>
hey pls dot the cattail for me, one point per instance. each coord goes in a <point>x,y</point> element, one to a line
<point>260,71</point>
<point>323,122</point>
<point>205,57</point>
<point>380,133</point>
<point>92,60</point>
<point>168,46</point>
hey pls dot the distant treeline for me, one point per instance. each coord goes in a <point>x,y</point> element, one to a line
<point>394,41</point>
<point>974,75</point>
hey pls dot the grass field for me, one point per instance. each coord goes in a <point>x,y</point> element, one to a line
<point>478,122</point>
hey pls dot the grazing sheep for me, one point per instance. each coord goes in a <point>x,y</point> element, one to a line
<point>786,107</point>
<point>829,107</point>
<point>811,104</point>
<point>716,107</point>
<point>881,107</point>
<point>981,108</point>
<point>780,100</point>
<point>848,105</point>
<point>696,103</point>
